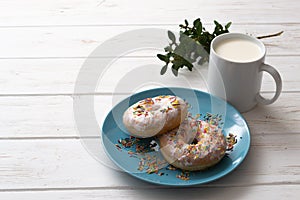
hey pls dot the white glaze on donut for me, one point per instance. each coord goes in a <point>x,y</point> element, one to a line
<point>195,145</point>
<point>153,116</point>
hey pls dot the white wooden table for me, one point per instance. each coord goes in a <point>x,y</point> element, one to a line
<point>42,47</point>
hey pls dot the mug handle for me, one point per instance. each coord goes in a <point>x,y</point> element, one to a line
<point>276,76</point>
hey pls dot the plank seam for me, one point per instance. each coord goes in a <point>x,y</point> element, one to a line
<point>101,94</point>
<point>148,187</point>
<point>146,25</point>
<point>99,137</point>
<point>102,57</point>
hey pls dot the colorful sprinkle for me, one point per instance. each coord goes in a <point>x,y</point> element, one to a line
<point>150,163</point>
<point>184,175</point>
<point>231,141</point>
<point>171,167</point>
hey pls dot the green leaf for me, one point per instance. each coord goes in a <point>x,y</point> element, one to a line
<point>186,51</point>
<point>163,58</point>
<point>228,25</point>
<point>216,23</point>
<point>198,26</point>
<point>174,70</point>
<point>168,49</point>
<point>163,70</point>
<point>171,36</point>
<point>186,22</point>
<point>197,22</point>
<point>178,61</point>
<point>189,65</point>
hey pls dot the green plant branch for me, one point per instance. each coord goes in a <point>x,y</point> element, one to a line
<point>193,46</point>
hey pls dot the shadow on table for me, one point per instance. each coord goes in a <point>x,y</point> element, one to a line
<point>236,185</point>
<point>232,186</point>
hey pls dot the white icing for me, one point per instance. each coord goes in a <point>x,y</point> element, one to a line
<point>152,116</point>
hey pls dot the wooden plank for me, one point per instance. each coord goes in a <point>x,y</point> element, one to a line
<point>37,116</point>
<point>64,163</point>
<point>81,41</point>
<point>274,192</point>
<point>52,116</point>
<point>58,76</point>
<point>42,168</point>
<point>69,12</point>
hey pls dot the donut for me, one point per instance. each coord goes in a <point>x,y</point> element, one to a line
<point>154,116</point>
<point>195,145</point>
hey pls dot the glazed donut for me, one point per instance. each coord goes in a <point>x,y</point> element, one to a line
<point>195,145</point>
<point>155,116</point>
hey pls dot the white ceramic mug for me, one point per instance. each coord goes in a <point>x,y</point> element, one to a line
<point>239,82</point>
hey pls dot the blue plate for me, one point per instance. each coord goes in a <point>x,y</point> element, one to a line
<point>201,103</point>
